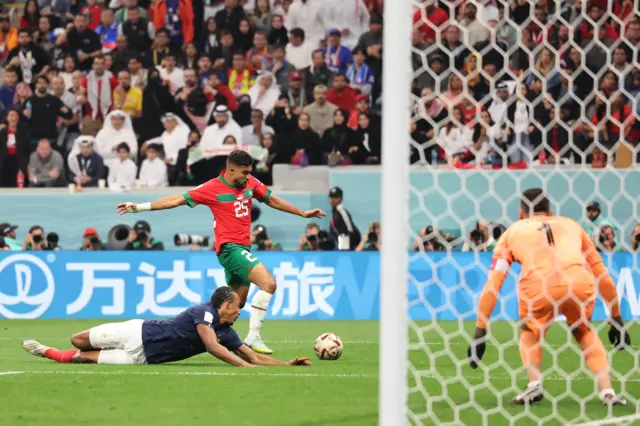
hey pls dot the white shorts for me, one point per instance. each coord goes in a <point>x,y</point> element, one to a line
<point>126,337</point>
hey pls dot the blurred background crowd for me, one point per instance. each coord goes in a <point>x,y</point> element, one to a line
<point>161,90</point>
<point>123,94</point>
<point>158,92</point>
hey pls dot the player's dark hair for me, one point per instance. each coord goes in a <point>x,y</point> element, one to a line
<point>534,200</point>
<point>240,158</point>
<point>222,295</point>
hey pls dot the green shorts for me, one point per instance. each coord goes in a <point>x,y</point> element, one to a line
<point>237,262</point>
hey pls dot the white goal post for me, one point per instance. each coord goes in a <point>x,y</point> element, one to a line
<point>428,301</point>
<point>394,274</point>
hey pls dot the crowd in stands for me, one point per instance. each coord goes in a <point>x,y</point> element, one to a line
<point>155,93</point>
<point>521,82</point>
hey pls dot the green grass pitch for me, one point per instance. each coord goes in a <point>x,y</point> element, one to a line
<point>203,390</point>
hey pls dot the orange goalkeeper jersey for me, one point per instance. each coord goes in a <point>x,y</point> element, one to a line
<point>554,251</point>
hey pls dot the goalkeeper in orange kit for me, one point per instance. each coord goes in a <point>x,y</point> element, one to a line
<point>560,270</point>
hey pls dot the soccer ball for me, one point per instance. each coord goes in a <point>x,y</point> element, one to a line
<point>328,346</point>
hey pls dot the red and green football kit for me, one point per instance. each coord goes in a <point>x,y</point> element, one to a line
<point>231,208</point>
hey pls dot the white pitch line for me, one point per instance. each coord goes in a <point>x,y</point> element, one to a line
<point>190,373</point>
<point>412,345</point>
<point>327,375</point>
<point>9,373</point>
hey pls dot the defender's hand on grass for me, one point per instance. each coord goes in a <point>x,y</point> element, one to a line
<point>618,334</point>
<point>476,349</point>
<point>313,213</point>
<point>300,361</point>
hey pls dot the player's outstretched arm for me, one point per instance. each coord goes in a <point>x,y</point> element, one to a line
<point>282,205</point>
<point>164,203</point>
<point>250,356</point>
<point>210,341</point>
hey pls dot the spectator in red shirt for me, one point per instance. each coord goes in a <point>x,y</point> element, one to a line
<point>595,13</point>
<point>541,31</point>
<point>97,96</point>
<point>341,95</point>
<point>429,18</point>
<point>617,125</point>
<point>362,105</point>
<point>470,109</point>
<point>14,149</point>
<point>29,21</point>
<point>623,10</point>
<point>216,84</point>
<point>375,6</point>
<point>92,11</point>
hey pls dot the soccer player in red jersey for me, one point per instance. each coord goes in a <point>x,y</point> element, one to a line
<point>229,197</point>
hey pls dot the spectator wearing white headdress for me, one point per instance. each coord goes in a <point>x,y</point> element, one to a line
<point>214,135</point>
<point>153,171</point>
<point>86,167</point>
<point>264,93</point>
<point>350,17</point>
<point>311,16</point>
<point>117,129</point>
<point>174,138</point>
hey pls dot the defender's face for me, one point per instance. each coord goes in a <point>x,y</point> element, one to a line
<point>230,311</point>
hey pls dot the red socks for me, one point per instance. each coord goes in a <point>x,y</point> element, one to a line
<point>63,357</point>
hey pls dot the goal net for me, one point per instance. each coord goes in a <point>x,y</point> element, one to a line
<point>505,96</point>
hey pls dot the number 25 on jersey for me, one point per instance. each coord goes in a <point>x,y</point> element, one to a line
<point>242,208</point>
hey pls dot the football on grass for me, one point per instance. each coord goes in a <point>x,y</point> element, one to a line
<point>328,346</point>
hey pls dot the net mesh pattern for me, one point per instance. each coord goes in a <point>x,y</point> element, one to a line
<point>551,88</point>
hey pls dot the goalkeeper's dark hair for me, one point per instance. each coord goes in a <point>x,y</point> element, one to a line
<point>534,200</point>
<point>240,158</point>
<point>222,295</point>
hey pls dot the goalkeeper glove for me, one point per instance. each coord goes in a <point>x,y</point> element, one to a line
<point>476,349</point>
<point>618,335</point>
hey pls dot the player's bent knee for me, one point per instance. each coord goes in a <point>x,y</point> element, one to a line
<point>270,285</point>
<point>81,340</point>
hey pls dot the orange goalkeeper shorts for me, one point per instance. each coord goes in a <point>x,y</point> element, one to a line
<point>576,303</point>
